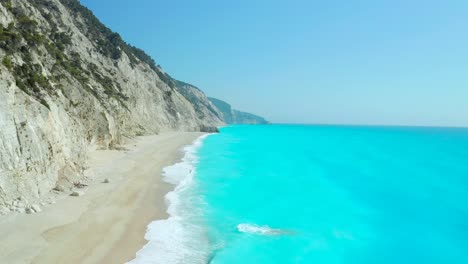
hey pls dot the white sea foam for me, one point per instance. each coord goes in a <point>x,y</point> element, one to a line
<point>177,239</point>
<point>261,230</point>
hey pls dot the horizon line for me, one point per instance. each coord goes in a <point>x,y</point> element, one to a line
<point>368,125</point>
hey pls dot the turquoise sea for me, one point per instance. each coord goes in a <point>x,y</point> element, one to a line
<point>317,194</point>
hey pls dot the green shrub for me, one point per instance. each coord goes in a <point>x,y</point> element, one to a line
<point>26,24</point>
<point>8,5</point>
<point>8,63</point>
<point>10,41</point>
<point>44,103</point>
<point>22,86</point>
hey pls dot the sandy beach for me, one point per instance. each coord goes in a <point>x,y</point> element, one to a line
<point>108,222</point>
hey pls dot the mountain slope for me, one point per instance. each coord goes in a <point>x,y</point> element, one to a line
<point>69,84</point>
<point>232,116</point>
<point>198,99</point>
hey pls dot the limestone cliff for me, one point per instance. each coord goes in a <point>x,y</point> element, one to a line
<point>232,116</point>
<point>199,100</point>
<point>69,84</point>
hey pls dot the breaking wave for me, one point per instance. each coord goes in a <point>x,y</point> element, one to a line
<point>261,230</point>
<point>171,241</point>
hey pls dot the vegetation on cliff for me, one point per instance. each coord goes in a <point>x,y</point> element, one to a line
<point>23,38</point>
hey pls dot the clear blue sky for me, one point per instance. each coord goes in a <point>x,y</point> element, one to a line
<point>354,62</point>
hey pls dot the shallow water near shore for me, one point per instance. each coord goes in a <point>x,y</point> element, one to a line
<point>317,194</point>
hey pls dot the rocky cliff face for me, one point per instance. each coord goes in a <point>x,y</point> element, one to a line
<point>232,116</point>
<point>67,85</point>
<point>200,102</point>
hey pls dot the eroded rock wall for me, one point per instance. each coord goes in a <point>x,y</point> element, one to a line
<point>61,95</point>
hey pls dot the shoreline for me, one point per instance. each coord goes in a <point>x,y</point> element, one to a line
<point>167,237</point>
<point>108,223</point>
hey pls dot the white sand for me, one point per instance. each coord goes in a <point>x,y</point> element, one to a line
<point>107,224</point>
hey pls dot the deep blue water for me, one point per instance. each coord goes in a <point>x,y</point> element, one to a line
<point>323,194</point>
